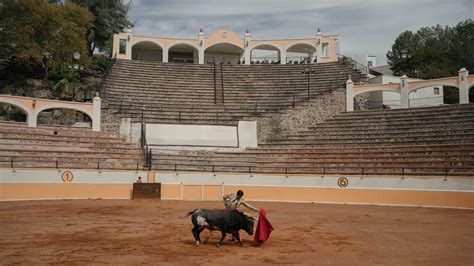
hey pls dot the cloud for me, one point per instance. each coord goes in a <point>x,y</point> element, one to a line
<point>363,26</point>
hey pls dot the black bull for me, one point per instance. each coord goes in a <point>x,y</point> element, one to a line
<point>227,221</point>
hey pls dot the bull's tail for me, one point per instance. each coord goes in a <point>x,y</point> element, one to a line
<point>191,212</point>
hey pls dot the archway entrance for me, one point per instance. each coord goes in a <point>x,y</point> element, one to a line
<point>12,113</point>
<point>64,117</point>
<point>377,100</point>
<point>223,53</point>
<point>265,54</point>
<point>471,94</point>
<point>428,96</point>
<point>183,53</point>
<point>450,95</point>
<point>147,50</point>
<point>301,53</point>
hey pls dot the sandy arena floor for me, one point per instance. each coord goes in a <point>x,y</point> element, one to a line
<point>147,231</point>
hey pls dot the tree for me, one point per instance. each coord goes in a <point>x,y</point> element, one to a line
<point>462,48</point>
<point>433,52</point>
<point>45,34</point>
<point>109,17</point>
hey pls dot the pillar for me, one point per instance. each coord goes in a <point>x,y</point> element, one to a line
<point>404,103</point>
<point>32,118</point>
<point>319,45</point>
<point>283,57</point>
<point>349,95</point>
<point>165,55</point>
<point>201,46</point>
<point>463,86</point>
<point>247,50</point>
<point>96,106</point>
<point>129,42</point>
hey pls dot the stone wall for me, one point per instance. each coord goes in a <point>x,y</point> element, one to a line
<point>361,102</point>
<point>110,122</point>
<point>294,119</point>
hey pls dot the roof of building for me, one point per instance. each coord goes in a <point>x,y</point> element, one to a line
<point>381,70</point>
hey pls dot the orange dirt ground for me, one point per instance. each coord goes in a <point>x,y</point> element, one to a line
<point>156,232</point>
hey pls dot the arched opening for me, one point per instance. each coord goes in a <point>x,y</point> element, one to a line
<point>223,53</point>
<point>12,113</point>
<point>64,117</point>
<point>147,50</point>
<point>450,95</point>
<point>183,53</point>
<point>265,54</point>
<point>377,100</point>
<point>471,94</point>
<point>301,53</point>
<point>427,96</point>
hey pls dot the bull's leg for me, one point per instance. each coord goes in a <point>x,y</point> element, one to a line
<point>199,233</point>
<point>236,235</point>
<point>223,231</point>
<point>196,232</point>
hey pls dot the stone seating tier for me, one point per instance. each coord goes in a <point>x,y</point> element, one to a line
<point>65,148</point>
<point>435,141</point>
<point>164,90</point>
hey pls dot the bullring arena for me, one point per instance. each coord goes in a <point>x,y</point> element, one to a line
<point>199,118</point>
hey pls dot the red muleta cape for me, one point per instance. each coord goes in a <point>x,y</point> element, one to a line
<point>264,228</point>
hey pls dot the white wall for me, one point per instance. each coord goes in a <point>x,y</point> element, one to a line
<point>243,136</point>
<point>320,181</point>
<point>191,135</point>
<point>79,176</point>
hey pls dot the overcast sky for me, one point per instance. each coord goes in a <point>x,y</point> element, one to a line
<point>363,26</point>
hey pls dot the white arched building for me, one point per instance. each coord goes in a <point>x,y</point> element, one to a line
<point>224,46</point>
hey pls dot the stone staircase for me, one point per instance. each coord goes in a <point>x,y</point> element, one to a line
<point>214,94</point>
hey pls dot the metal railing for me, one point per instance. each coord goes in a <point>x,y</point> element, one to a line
<point>445,171</point>
<point>147,153</point>
<point>103,79</point>
<point>403,171</point>
<point>363,69</point>
<point>265,60</point>
<point>65,164</point>
<point>298,60</point>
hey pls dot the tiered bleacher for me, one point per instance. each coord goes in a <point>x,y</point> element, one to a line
<point>418,141</point>
<point>214,94</point>
<point>65,148</point>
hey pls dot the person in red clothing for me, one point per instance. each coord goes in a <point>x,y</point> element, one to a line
<point>139,180</point>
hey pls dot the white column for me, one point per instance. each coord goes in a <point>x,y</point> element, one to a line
<point>201,55</point>
<point>349,96</point>
<point>96,103</point>
<point>32,118</point>
<point>404,102</point>
<point>463,88</point>
<point>165,54</point>
<point>247,45</point>
<point>283,57</point>
<point>247,134</point>
<point>202,47</point>
<point>247,56</point>
<point>319,46</point>
<point>129,43</point>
